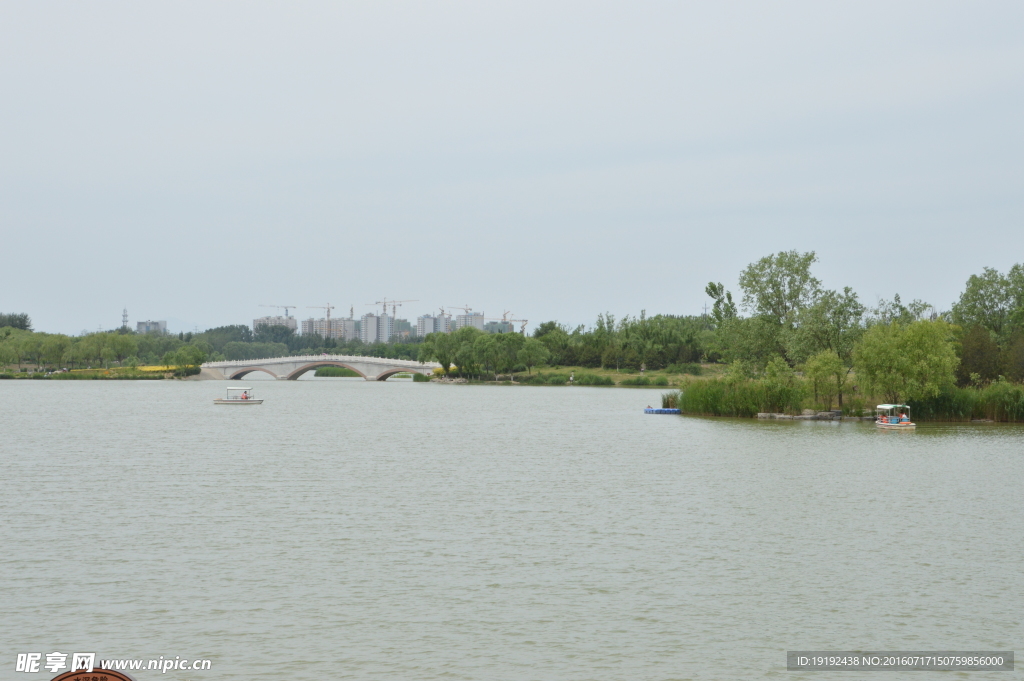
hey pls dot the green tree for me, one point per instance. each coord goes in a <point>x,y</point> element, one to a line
<point>754,340</point>
<point>533,353</point>
<point>122,346</point>
<point>781,389</point>
<point>833,322</point>
<point>487,352</point>
<point>273,334</point>
<point>439,347</point>
<point>979,356</point>
<point>54,348</point>
<point>545,328</point>
<point>894,311</point>
<point>466,357</point>
<point>463,356</point>
<point>1013,357</point>
<point>79,352</point>
<point>188,356</point>
<point>827,374</point>
<point>1015,282</point>
<point>236,350</point>
<point>556,340</point>
<point>509,345</point>
<point>222,335</point>
<point>778,286</point>
<point>776,289</point>
<point>31,346</point>
<point>906,361</point>
<point>985,302</point>
<point>724,307</point>
<point>204,346</point>
<point>8,354</point>
<point>91,347</point>
<point>17,320</point>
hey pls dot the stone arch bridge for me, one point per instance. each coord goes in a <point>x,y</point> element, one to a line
<point>290,368</point>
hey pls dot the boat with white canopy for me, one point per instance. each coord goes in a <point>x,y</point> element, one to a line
<point>239,396</point>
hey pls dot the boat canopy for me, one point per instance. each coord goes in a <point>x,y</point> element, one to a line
<point>239,388</point>
<point>893,406</point>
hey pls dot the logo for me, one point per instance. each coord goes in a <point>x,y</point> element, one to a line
<point>94,675</point>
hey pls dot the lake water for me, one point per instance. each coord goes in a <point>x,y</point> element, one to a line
<point>398,530</point>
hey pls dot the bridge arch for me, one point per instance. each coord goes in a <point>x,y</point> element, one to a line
<point>245,371</point>
<point>385,375</point>
<point>294,376</point>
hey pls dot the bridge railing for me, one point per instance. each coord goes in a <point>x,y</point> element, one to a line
<point>411,363</point>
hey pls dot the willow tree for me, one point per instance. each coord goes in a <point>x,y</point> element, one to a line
<point>438,347</point>
<point>906,361</point>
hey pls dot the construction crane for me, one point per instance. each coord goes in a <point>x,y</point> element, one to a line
<point>522,322</point>
<point>467,309</point>
<point>505,320</point>
<point>395,304</point>
<point>286,308</point>
<point>328,307</point>
<point>446,316</point>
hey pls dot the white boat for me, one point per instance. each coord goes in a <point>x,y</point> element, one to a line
<point>239,396</point>
<point>894,417</point>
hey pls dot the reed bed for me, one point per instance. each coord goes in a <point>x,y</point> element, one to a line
<point>721,397</point>
<point>998,401</point>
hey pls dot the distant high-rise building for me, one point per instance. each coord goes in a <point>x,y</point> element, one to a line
<point>498,327</point>
<point>433,324</point>
<point>343,329</point>
<point>401,328</point>
<point>376,328</point>
<point>347,329</point>
<point>289,322</point>
<point>151,327</point>
<point>425,325</point>
<point>368,328</point>
<point>475,319</point>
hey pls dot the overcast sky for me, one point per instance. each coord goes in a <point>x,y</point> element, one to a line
<point>192,161</point>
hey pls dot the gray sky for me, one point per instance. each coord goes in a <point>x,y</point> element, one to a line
<point>193,160</point>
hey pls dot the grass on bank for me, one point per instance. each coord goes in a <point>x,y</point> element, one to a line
<point>146,373</point>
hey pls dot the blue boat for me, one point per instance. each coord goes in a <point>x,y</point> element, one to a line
<point>650,410</point>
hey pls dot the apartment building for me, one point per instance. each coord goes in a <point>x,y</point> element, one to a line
<point>433,324</point>
<point>278,320</point>
<point>475,319</point>
<point>151,326</point>
<point>376,328</point>
<point>338,329</point>
<point>498,327</point>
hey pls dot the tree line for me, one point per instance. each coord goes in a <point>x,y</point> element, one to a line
<point>783,326</point>
<point>20,345</point>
